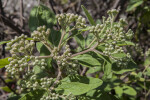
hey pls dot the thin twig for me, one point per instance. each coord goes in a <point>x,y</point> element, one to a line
<point>10,24</point>
<point>70,6</point>
<point>39,2</point>
<point>145,69</point>
<point>8,86</point>
<point>84,71</point>
<point>1,9</point>
<point>82,52</point>
<point>21,14</point>
<point>147,94</point>
<point>5,3</point>
<point>97,5</point>
<point>115,5</point>
<point>57,78</point>
<point>51,2</point>
<point>145,87</point>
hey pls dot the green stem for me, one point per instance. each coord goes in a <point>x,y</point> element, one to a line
<point>48,46</point>
<point>62,36</point>
<point>92,42</point>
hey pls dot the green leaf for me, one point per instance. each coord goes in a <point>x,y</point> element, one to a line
<point>129,91</point>
<point>3,42</point>
<point>106,96</point>
<point>101,48</point>
<point>98,21</point>
<point>42,49</point>
<point>119,55</point>
<point>41,15</point>
<point>118,91</point>
<point>74,88</point>
<point>85,29</point>
<point>125,43</point>
<point>8,80</point>
<point>100,95</point>
<point>131,66</point>
<point>110,83</point>
<point>5,88</point>
<point>147,72</point>
<point>89,60</point>
<point>89,39</point>
<point>78,85</point>
<point>29,39</point>
<point>133,4</point>
<point>107,71</point>
<point>33,95</point>
<point>147,61</point>
<point>80,40</point>
<point>93,70</point>
<point>13,96</point>
<point>54,37</point>
<point>89,17</point>
<point>40,73</point>
<point>4,62</point>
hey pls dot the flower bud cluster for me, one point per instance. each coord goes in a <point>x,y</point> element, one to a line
<point>17,65</point>
<point>39,62</point>
<point>30,82</point>
<point>64,60</point>
<point>129,34</point>
<point>30,85</point>
<point>29,75</point>
<point>65,19</point>
<point>96,30</point>
<point>40,34</point>
<point>111,33</point>
<point>46,82</point>
<point>20,45</point>
<point>123,62</point>
<point>112,12</point>
<point>110,30</point>
<point>116,32</point>
<point>54,96</point>
<point>112,48</point>
<point>139,49</point>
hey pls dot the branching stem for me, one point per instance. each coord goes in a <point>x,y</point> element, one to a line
<point>85,51</point>
<point>42,57</point>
